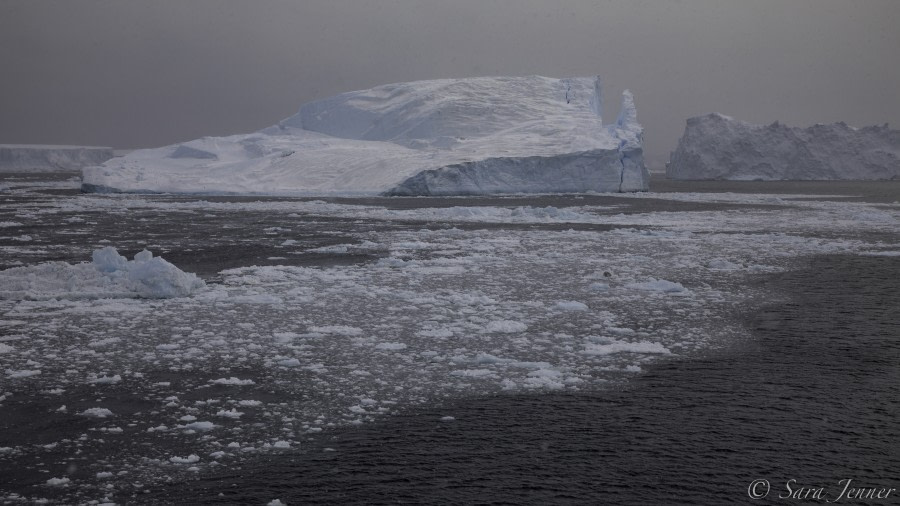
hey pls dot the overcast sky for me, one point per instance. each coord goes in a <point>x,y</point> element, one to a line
<point>147,73</point>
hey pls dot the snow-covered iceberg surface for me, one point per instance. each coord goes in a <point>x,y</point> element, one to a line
<point>110,275</point>
<point>442,137</point>
<point>38,157</point>
<point>718,147</point>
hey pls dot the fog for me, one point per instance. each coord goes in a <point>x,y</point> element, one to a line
<point>138,74</point>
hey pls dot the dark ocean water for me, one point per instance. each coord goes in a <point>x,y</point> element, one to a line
<point>814,397</point>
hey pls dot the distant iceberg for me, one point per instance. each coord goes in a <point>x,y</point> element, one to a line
<point>39,157</point>
<point>442,137</point>
<point>718,147</point>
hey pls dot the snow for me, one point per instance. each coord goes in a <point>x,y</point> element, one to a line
<point>440,137</point>
<point>39,157</point>
<point>109,275</point>
<point>718,147</point>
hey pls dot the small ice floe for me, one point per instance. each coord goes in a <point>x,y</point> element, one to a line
<point>571,305</point>
<point>190,459</point>
<point>598,287</point>
<point>106,380</point>
<point>230,413</point>
<point>58,482</point>
<point>390,346</point>
<point>96,413</point>
<point>341,330</point>
<point>473,373</point>
<point>505,327</point>
<point>24,373</point>
<point>614,347</point>
<point>721,264</point>
<point>232,381</point>
<point>658,285</point>
<point>198,426</point>
<point>545,378</point>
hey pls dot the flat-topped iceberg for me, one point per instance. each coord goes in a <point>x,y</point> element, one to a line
<point>718,147</point>
<point>39,157</point>
<point>441,137</point>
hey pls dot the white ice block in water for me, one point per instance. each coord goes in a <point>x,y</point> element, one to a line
<point>718,147</point>
<point>109,275</point>
<point>38,157</point>
<point>442,137</point>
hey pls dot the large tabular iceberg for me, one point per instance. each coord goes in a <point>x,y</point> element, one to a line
<point>718,147</point>
<point>441,137</point>
<point>39,157</point>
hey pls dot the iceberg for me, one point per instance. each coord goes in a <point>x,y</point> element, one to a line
<point>441,137</point>
<point>38,157</point>
<point>719,147</point>
<point>108,276</point>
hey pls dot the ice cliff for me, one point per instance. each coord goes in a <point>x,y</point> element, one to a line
<point>718,147</point>
<point>441,137</point>
<point>27,157</point>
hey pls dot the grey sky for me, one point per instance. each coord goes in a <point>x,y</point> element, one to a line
<point>147,73</point>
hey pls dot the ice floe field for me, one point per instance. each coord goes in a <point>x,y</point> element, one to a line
<point>146,340</point>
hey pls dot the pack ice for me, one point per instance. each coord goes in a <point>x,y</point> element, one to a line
<point>441,137</point>
<point>14,157</point>
<point>109,275</point>
<point>719,147</point>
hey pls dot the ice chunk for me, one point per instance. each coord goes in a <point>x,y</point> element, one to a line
<point>626,347</point>
<point>505,327</point>
<point>110,275</point>
<point>658,285</point>
<point>442,137</point>
<point>96,413</point>
<point>190,459</point>
<point>390,346</point>
<point>718,147</point>
<point>232,381</point>
<point>24,373</point>
<point>571,305</point>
